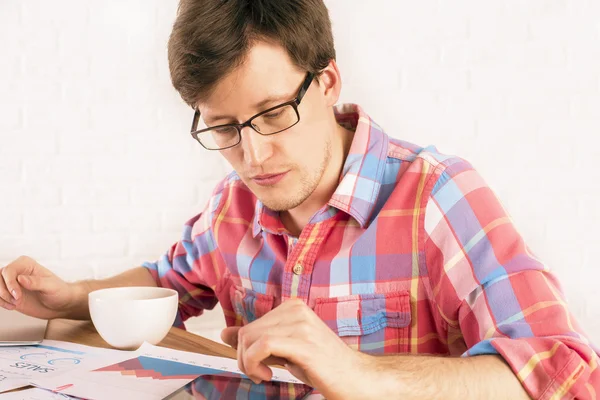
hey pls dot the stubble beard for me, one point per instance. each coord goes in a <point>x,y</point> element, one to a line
<point>308,184</point>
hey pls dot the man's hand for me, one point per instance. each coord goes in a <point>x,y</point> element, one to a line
<point>293,335</point>
<point>28,287</point>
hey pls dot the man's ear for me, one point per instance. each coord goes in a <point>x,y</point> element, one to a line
<point>330,83</point>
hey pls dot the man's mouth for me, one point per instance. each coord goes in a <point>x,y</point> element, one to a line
<point>268,179</point>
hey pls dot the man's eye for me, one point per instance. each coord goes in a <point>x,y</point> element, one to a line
<point>273,114</point>
<point>224,130</point>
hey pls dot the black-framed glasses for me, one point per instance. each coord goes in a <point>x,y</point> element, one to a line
<point>268,122</point>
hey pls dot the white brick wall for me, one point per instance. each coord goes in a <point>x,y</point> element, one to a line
<point>98,172</point>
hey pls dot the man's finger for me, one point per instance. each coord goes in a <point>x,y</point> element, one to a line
<point>254,331</point>
<point>268,346</point>
<point>229,335</point>
<point>240,353</point>
<point>21,266</point>
<point>252,338</point>
<point>5,294</point>
<point>255,370</point>
<point>6,305</point>
<point>33,283</point>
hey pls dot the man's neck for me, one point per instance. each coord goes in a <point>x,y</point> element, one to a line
<point>296,219</point>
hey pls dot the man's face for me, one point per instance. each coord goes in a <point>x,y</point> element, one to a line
<point>284,169</point>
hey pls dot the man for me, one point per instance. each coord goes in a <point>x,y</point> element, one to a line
<point>332,244</point>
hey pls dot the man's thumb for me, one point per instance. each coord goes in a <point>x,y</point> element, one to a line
<point>229,335</point>
<point>29,282</point>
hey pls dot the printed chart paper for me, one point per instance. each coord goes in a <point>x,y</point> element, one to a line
<point>21,364</point>
<point>152,372</point>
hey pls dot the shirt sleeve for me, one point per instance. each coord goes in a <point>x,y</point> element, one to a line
<point>488,286</point>
<point>188,268</point>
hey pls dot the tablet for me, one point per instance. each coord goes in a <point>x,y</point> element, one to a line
<point>18,329</point>
<point>229,387</point>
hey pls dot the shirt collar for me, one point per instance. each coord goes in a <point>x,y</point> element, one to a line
<point>361,176</point>
<point>267,220</point>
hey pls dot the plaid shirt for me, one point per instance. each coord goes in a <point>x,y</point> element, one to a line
<point>412,254</point>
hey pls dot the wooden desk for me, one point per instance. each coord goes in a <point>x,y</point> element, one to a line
<point>83,332</point>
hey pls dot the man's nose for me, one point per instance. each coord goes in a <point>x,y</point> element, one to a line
<point>257,148</point>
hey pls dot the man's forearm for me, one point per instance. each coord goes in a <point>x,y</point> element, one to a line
<point>429,377</point>
<point>79,308</point>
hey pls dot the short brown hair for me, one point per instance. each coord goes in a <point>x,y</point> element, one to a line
<point>211,37</point>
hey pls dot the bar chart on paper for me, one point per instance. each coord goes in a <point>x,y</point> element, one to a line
<point>137,378</point>
<point>155,368</point>
<point>150,373</point>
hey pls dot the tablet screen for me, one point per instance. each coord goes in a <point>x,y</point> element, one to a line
<point>208,387</point>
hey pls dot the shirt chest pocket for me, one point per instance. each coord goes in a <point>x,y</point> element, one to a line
<point>248,304</point>
<point>371,323</point>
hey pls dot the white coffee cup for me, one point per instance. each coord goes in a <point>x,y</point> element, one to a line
<point>126,317</point>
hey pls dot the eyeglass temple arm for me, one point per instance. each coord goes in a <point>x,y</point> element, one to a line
<point>195,120</point>
<point>305,85</point>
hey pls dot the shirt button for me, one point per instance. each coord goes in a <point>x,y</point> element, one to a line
<point>298,269</point>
